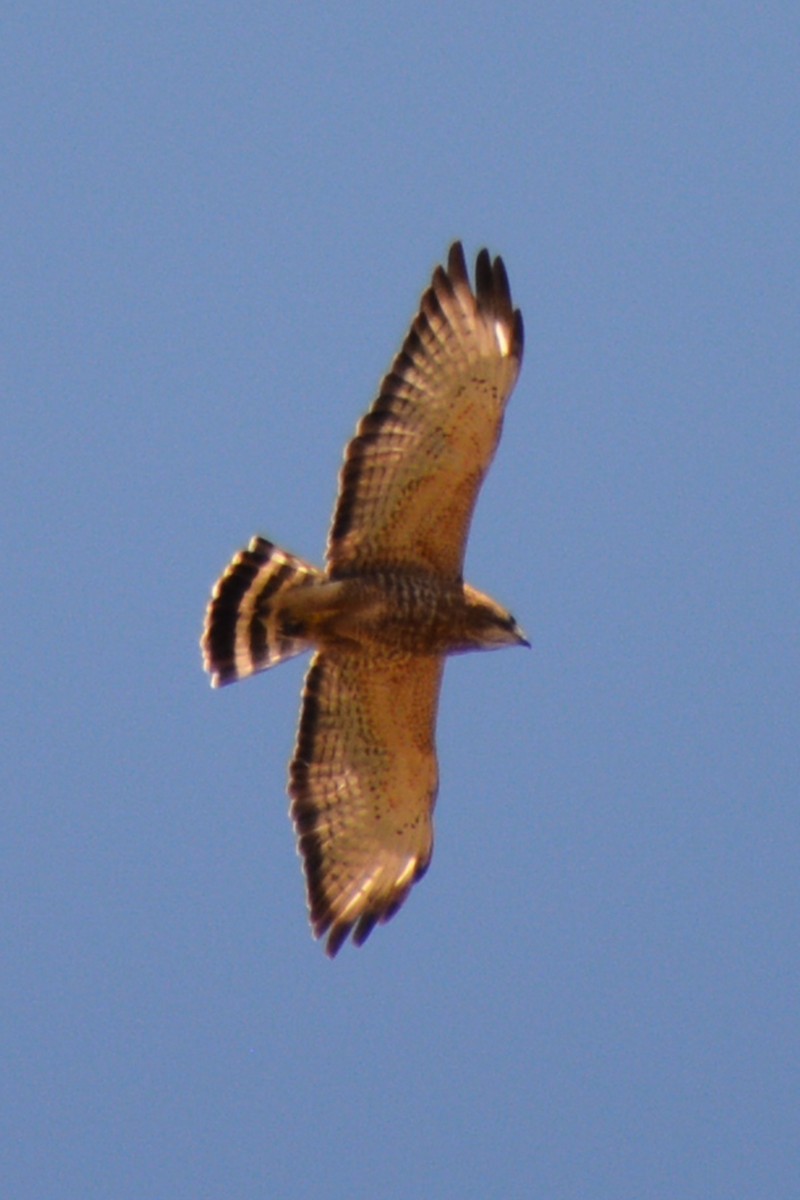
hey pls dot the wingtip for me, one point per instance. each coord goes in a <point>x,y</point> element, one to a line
<point>484,276</point>
<point>336,939</point>
<point>492,289</point>
<point>500,285</point>
<point>518,334</point>
<point>457,263</point>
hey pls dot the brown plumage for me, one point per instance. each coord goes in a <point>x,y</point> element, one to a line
<point>389,606</point>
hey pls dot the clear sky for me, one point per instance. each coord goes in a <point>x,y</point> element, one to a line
<point>218,222</point>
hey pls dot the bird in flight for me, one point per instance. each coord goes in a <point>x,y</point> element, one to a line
<point>387,608</point>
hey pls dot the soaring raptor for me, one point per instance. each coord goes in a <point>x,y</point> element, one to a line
<point>387,608</point>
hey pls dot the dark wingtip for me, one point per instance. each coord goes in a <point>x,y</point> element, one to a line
<point>364,928</point>
<point>484,276</point>
<point>457,264</point>
<point>518,334</point>
<point>336,939</point>
<point>502,291</point>
<point>492,289</point>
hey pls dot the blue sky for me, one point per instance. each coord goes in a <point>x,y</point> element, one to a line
<point>218,221</point>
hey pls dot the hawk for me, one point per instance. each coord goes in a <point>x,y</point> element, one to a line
<point>388,607</point>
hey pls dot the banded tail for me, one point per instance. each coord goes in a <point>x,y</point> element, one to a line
<point>251,623</point>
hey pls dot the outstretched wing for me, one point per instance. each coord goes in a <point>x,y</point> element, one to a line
<point>412,472</point>
<point>363,784</point>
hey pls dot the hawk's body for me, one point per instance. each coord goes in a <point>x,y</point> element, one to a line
<point>389,606</point>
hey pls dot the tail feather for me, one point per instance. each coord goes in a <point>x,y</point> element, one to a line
<point>247,628</point>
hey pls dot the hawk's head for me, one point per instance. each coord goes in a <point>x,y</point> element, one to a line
<point>489,626</point>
